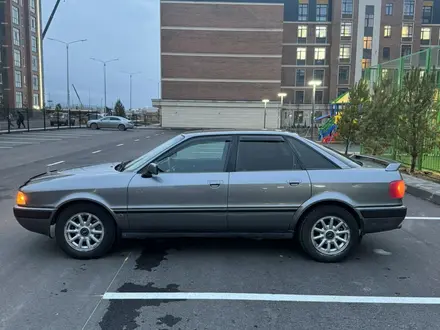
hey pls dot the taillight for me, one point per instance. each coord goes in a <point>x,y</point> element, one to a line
<point>397,189</point>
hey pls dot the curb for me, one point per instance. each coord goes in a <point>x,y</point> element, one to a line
<point>411,189</point>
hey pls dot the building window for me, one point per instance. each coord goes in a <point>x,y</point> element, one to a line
<point>300,77</point>
<point>346,28</point>
<point>408,9</point>
<point>387,31</point>
<point>299,97</point>
<point>321,13</point>
<point>302,33</point>
<point>318,74</point>
<point>301,55</point>
<point>367,42</point>
<point>321,34</point>
<point>344,75</point>
<point>34,63</point>
<point>369,20</point>
<point>426,14</point>
<point>19,100</point>
<point>319,56</point>
<point>389,9</point>
<point>33,24</point>
<point>366,63</point>
<point>347,8</point>
<point>32,5</point>
<point>15,15</point>
<point>319,97</point>
<point>344,53</point>
<point>342,91</point>
<point>34,44</point>
<point>425,36</point>
<point>36,101</point>
<point>407,31</point>
<point>406,50</point>
<point>303,12</point>
<point>16,36</point>
<point>35,82</point>
<point>17,58</point>
<point>18,80</point>
<point>386,53</point>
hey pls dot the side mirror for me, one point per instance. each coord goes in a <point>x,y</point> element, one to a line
<point>152,169</point>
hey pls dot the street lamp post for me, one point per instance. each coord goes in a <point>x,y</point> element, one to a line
<point>105,75</point>
<point>265,101</point>
<point>67,44</point>
<point>131,74</point>
<point>313,83</point>
<point>282,96</point>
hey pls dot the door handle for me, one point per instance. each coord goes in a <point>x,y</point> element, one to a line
<point>215,184</point>
<point>294,182</point>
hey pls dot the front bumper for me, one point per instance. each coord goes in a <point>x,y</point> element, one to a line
<point>380,219</point>
<point>37,220</point>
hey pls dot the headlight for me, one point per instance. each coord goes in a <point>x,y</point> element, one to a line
<point>21,199</point>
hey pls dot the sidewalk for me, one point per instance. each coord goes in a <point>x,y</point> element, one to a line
<point>50,128</point>
<point>418,187</point>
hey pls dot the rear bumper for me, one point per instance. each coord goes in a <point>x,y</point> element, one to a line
<point>380,219</point>
<point>34,219</point>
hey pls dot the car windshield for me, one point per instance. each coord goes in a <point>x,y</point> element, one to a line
<point>136,163</point>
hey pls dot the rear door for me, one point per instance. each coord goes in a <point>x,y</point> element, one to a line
<point>267,186</point>
<point>104,122</point>
<point>115,122</point>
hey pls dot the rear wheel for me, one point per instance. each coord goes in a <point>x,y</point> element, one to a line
<point>94,126</point>
<point>85,231</point>
<point>121,127</point>
<point>329,234</point>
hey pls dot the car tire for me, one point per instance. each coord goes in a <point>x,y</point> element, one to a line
<point>121,127</point>
<point>94,126</point>
<point>313,224</point>
<point>100,220</point>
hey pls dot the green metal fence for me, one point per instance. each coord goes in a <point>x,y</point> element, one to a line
<point>427,59</point>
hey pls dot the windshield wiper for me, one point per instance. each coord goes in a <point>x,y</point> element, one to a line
<point>121,167</point>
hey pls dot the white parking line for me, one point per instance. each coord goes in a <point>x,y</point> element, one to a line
<point>136,140</point>
<point>97,151</point>
<point>271,297</point>
<point>120,144</point>
<point>423,218</point>
<point>147,137</point>
<point>57,163</point>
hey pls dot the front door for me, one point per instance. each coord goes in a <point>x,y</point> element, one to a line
<point>189,195</point>
<point>267,187</point>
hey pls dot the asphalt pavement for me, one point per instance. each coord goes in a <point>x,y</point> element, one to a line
<point>390,282</point>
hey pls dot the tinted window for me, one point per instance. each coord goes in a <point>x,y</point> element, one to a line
<point>114,119</point>
<point>265,156</point>
<point>200,155</point>
<point>311,159</point>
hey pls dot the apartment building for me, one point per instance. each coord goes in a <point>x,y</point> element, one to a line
<point>21,67</point>
<point>221,58</point>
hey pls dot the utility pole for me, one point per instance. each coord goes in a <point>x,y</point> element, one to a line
<point>131,74</point>
<point>105,75</point>
<point>67,44</point>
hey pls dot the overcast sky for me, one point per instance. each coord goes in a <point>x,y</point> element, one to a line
<point>124,29</point>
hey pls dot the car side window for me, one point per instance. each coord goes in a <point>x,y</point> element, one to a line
<point>198,156</point>
<point>265,156</point>
<point>311,159</point>
<point>114,119</point>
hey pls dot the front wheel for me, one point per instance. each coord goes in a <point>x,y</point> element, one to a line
<point>85,231</point>
<point>329,234</point>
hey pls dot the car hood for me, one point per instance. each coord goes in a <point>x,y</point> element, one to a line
<point>85,170</point>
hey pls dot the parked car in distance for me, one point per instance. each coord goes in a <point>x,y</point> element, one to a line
<point>120,123</point>
<point>61,119</point>
<point>237,183</point>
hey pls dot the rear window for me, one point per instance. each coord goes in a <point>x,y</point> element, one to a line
<point>311,159</point>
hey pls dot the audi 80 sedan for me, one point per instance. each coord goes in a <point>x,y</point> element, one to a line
<point>225,183</point>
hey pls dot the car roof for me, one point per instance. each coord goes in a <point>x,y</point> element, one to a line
<point>237,132</point>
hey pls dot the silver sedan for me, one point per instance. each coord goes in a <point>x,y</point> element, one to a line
<point>120,123</point>
<point>251,184</point>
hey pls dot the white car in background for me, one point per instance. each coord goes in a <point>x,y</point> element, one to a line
<point>120,123</point>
